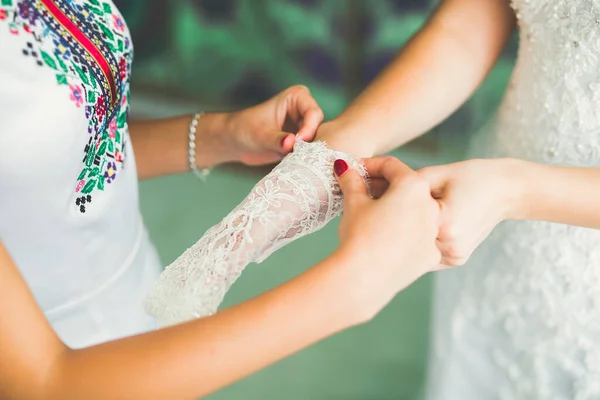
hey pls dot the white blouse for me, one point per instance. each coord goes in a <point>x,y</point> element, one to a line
<point>69,212</point>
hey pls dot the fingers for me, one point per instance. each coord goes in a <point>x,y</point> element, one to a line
<point>352,184</point>
<point>285,141</point>
<point>437,176</point>
<point>389,168</point>
<point>279,141</point>
<point>310,122</point>
<point>378,186</point>
<point>305,111</point>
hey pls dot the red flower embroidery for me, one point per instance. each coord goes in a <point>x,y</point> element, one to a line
<point>112,128</point>
<point>80,185</point>
<point>2,15</point>
<point>119,24</point>
<point>123,68</point>
<point>76,95</point>
<point>100,108</point>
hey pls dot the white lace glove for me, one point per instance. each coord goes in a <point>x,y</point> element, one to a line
<point>300,196</point>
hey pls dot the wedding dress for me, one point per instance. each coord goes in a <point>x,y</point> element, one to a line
<point>300,196</point>
<point>522,319</point>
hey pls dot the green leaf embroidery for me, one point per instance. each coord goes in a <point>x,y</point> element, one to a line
<point>106,8</point>
<point>95,2</point>
<point>82,75</point>
<point>91,96</point>
<point>101,182</point>
<point>62,64</point>
<point>82,174</point>
<point>111,47</point>
<point>93,80</point>
<point>90,155</point>
<point>117,137</point>
<point>96,11</point>
<point>111,146</point>
<point>89,186</point>
<point>122,119</point>
<point>6,2</point>
<point>61,79</point>
<point>48,59</point>
<point>93,172</point>
<point>120,45</point>
<point>102,149</point>
<point>107,31</point>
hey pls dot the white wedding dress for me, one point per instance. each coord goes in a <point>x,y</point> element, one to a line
<point>522,319</point>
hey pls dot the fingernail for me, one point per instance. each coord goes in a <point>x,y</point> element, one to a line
<point>283,140</point>
<point>340,167</point>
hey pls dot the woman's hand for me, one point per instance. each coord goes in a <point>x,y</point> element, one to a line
<point>390,239</point>
<point>474,196</point>
<point>258,135</point>
<point>264,133</point>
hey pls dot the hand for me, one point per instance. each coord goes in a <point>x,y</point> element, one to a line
<point>392,238</point>
<point>264,133</point>
<point>474,196</point>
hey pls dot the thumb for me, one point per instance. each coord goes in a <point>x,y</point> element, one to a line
<point>437,177</point>
<point>280,142</point>
<point>350,181</point>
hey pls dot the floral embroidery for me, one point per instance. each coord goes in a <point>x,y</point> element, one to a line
<point>76,95</point>
<point>87,44</point>
<point>111,172</point>
<point>80,201</point>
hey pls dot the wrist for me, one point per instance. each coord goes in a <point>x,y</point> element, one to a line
<point>519,193</point>
<point>362,291</point>
<point>213,145</point>
<point>345,137</point>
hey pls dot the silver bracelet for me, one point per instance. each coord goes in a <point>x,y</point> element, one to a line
<point>200,174</point>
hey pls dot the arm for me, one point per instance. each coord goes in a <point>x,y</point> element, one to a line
<point>298,197</point>
<point>567,195</point>
<point>199,357</point>
<point>167,140</point>
<point>183,361</point>
<point>476,195</point>
<point>435,73</point>
<point>257,135</point>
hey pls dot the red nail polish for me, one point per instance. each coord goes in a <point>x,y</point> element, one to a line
<point>340,167</point>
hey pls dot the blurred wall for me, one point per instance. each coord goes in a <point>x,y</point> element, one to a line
<point>233,53</point>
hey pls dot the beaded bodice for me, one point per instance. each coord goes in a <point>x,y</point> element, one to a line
<point>551,112</point>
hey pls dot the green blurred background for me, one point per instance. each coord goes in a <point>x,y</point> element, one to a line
<point>227,54</point>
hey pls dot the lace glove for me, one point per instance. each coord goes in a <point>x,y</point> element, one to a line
<point>298,197</point>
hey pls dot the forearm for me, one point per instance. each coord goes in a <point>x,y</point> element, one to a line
<point>161,145</point>
<point>197,358</point>
<point>434,74</point>
<point>568,195</point>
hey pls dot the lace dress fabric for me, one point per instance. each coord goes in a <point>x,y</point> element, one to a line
<point>298,197</point>
<point>522,319</point>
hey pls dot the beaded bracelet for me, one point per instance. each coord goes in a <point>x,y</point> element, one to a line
<point>200,174</point>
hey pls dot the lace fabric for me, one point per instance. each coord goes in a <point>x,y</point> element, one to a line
<point>298,197</point>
